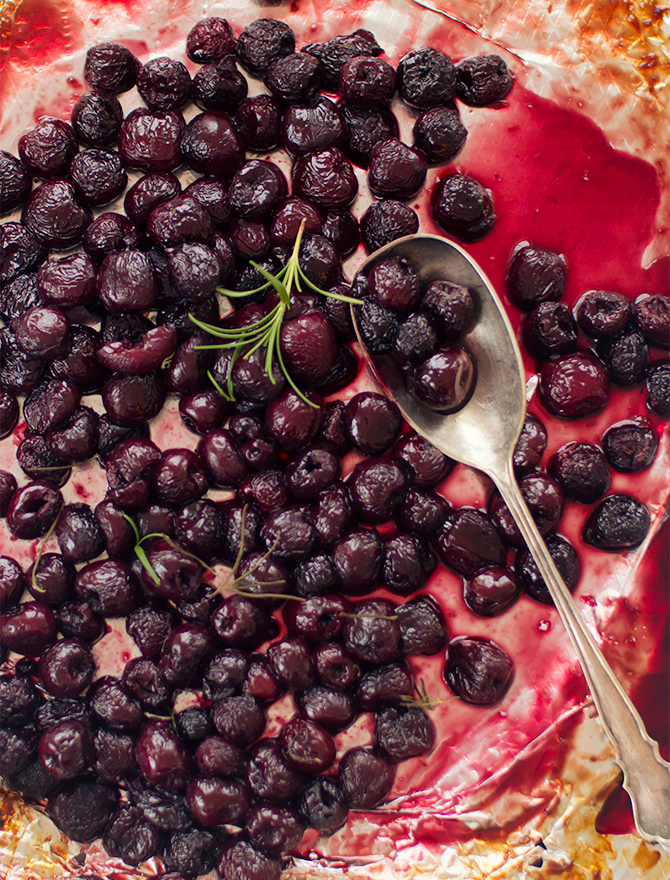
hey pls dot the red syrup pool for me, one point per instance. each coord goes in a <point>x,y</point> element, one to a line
<point>559,184</point>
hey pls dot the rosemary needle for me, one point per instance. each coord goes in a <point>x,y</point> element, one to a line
<point>265,334</point>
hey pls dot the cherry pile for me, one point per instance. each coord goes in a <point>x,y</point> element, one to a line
<point>437,371</point>
<point>317,602</point>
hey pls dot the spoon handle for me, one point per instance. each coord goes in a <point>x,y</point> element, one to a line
<point>646,774</point>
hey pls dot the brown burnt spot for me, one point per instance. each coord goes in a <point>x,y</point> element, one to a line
<point>634,30</point>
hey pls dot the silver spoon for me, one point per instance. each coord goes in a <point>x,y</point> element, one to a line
<point>483,435</point>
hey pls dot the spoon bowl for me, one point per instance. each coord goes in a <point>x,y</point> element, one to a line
<point>483,432</point>
<point>483,435</point>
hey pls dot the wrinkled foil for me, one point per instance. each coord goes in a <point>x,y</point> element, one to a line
<point>612,63</point>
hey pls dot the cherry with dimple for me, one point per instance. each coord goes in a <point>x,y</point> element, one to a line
<point>478,670</point>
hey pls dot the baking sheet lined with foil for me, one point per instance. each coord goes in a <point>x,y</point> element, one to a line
<point>543,785</point>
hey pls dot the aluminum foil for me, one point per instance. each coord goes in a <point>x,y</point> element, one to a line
<point>532,812</point>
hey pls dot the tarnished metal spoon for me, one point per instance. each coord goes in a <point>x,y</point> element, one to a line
<point>483,435</point>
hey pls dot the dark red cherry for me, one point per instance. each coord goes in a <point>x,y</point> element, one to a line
<point>258,121</point>
<point>9,413</point>
<point>322,805</point>
<point>491,591</point>
<point>178,573</point>
<point>335,666</point>
<point>307,746</point>
<point>66,668</point>
<point>209,40</point>
<point>377,487</point>
<point>618,523</point>
<point>407,563</point>
<point>78,534</point>
<point>274,828</point>
<point>130,838</point>
<point>582,471</point>
<point>463,207</point>
<point>239,859</point>
<point>531,444</point>
<point>28,628</point>
<point>325,177</point>
<point>396,170</point>
<point>423,629</point>
<point>658,389</point>
<point>33,509</point>
<point>372,633</point>
<point>470,542</point>
<point>96,119</point>
<point>82,807</point>
<point>262,43</point>
<point>630,447</point>
<point>111,67</point>
<point>11,582</point>
<point>15,182</point>
<point>403,732</point>
<point>439,134</point>
<point>162,758</point>
<point>626,358</point>
<point>98,176</point>
<point>358,561</point>
<point>535,275</point>
<point>43,333</point>
<point>427,466</point>
<point>68,281</point>
<point>151,140</point>
<point>109,587</point>
<point>47,149</point>
<point>394,283</point>
<point>372,422</point>
<point>54,215</point>
<point>365,778</point>
<point>550,330</point>
<point>239,719</point>
<point>133,400</point>
<point>426,77</point>
<point>652,316</point>
<point>331,708</point>
<point>574,385</point>
<point>212,145</point>
<point>483,80</point>
<point>113,706</point>
<point>65,750</point>
<point>384,685</point>
<point>603,314</point>
<point>366,81</point>
<point>295,78</point>
<point>445,380</point>
<point>215,756</point>
<point>566,560</point>
<point>164,84</point>
<point>478,670</point>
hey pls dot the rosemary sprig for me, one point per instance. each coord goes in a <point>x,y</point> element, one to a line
<point>236,582</point>
<point>264,334</point>
<point>144,559</point>
<point>423,699</point>
<point>140,552</point>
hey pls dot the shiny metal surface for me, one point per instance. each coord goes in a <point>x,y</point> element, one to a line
<point>483,435</point>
